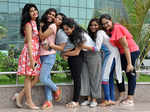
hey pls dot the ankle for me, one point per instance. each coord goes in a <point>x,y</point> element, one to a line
<point>89,98</point>
<point>130,97</point>
<point>94,100</point>
<point>122,94</point>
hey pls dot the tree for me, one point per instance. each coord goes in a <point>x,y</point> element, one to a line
<point>136,22</point>
<point>3,31</point>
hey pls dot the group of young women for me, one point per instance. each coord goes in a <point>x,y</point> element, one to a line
<point>94,57</point>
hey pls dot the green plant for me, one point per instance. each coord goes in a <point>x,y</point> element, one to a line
<point>61,65</point>
<point>3,31</point>
<point>9,62</point>
<point>137,11</point>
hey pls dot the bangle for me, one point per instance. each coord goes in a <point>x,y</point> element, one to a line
<point>93,49</point>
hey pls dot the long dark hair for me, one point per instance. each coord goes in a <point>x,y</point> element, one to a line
<point>44,18</point>
<point>63,17</point>
<point>77,35</point>
<point>108,17</point>
<point>25,17</point>
<point>104,16</point>
<point>92,34</point>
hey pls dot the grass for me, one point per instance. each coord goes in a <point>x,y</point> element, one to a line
<point>59,78</point>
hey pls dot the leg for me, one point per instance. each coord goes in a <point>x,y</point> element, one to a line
<point>33,82</point>
<point>85,90</point>
<point>27,89</point>
<point>47,64</point>
<point>121,86</point>
<point>131,81</point>
<point>111,81</point>
<point>105,85</point>
<point>132,76</point>
<point>94,74</point>
<point>75,64</point>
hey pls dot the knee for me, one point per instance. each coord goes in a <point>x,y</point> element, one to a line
<point>43,79</point>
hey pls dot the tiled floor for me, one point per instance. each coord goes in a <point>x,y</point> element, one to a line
<point>139,107</point>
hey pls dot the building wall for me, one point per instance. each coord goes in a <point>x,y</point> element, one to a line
<point>81,10</point>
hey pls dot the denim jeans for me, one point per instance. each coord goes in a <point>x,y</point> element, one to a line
<point>109,86</point>
<point>45,77</point>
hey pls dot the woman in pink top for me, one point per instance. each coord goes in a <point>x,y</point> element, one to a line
<point>122,38</point>
<point>48,56</point>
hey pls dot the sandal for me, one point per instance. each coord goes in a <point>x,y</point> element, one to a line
<point>47,105</point>
<point>128,102</point>
<point>105,103</point>
<point>58,95</point>
<point>72,104</point>
<point>112,102</point>
<point>17,100</point>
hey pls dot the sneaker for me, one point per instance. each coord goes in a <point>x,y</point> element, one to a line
<point>47,105</point>
<point>93,104</point>
<point>128,103</point>
<point>85,103</point>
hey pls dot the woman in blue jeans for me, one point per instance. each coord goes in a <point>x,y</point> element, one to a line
<point>121,38</point>
<point>47,35</point>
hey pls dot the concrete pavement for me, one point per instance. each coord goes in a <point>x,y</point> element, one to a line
<point>139,107</point>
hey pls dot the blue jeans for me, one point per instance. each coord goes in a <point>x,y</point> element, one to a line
<point>109,86</point>
<point>45,77</point>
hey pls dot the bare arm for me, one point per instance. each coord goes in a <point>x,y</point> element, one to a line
<point>89,48</point>
<point>124,44</point>
<point>72,53</point>
<point>59,47</point>
<point>99,40</point>
<point>47,33</point>
<point>28,30</point>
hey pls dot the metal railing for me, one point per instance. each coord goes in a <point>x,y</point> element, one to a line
<point>67,71</point>
<point>17,78</point>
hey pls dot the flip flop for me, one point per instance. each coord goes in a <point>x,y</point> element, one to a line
<point>72,104</point>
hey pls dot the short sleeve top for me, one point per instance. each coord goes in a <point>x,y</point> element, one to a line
<point>50,39</point>
<point>61,37</point>
<point>120,31</point>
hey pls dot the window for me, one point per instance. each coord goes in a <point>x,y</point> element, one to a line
<point>74,12</point>
<point>74,3</point>
<point>3,7</point>
<point>82,13</point>
<point>83,3</point>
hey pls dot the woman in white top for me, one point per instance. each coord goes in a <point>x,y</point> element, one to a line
<point>91,70</point>
<point>111,64</point>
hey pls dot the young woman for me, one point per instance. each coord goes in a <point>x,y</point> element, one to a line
<point>61,37</point>
<point>91,71</point>
<point>47,35</point>
<point>123,40</point>
<point>111,61</point>
<point>29,57</point>
<point>75,59</point>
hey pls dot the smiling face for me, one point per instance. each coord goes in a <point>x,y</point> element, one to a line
<point>58,20</point>
<point>51,16</point>
<point>107,24</point>
<point>68,30</point>
<point>33,13</point>
<point>94,26</point>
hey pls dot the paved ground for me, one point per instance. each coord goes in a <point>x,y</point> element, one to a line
<point>139,107</point>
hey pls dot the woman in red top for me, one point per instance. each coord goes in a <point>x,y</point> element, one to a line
<point>122,38</point>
